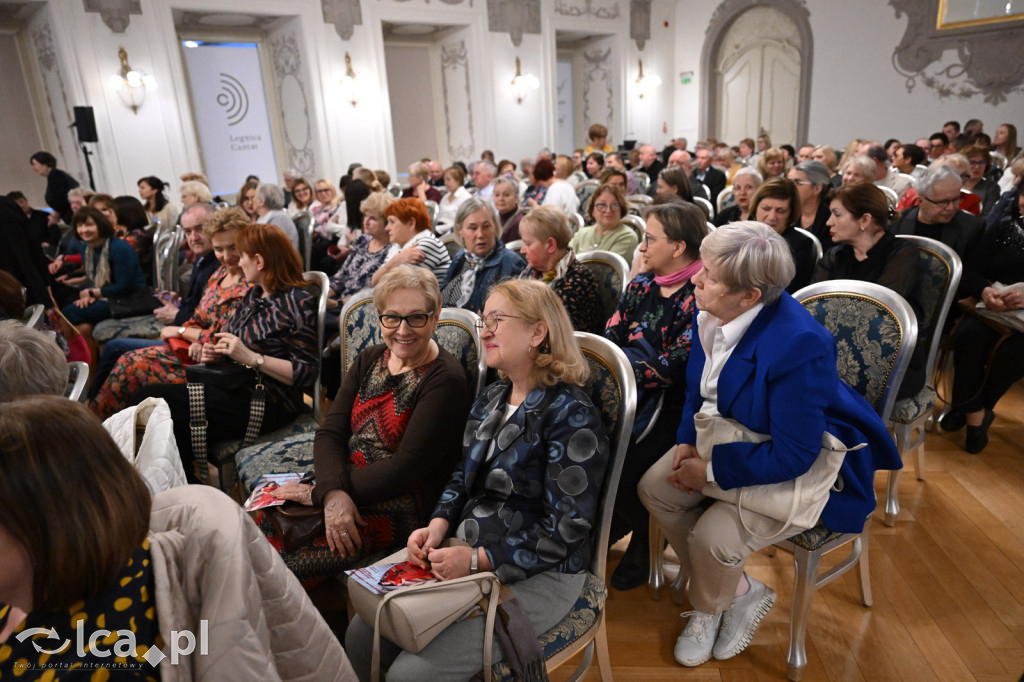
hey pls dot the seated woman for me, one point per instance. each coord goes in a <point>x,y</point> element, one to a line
<point>419,184</point>
<point>454,180</point>
<point>526,510</point>
<point>273,333</point>
<point>859,169</point>
<point>652,325</point>
<point>813,183</point>
<point>111,267</point>
<point>744,185</point>
<point>607,207</point>
<point>302,198</point>
<point>366,253</point>
<point>184,560</point>
<point>868,252</point>
<point>826,155</point>
<point>392,438</point>
<point>223,296</point>
<point>550,259</point>
<point>506,203</point>
<point>764,361</point>
<point>195,192</point>
<point>983,372</point>
<point>30,363</point>
<point>412,241</point>
<point>483,261</point>
<point>771,164</point>
<point>247,199</point>
<point>158,207</point>
<point>777,204</point>
<point>330,227</point>
<point>977,183</point>
<point>674,181</point>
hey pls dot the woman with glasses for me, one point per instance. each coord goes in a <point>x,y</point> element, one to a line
<point>247,199</point>
<point>302,198</point>
<point>483,260</point>
<point>524,499</point>
<point>652,326</point>
<point>608,206</point>
<point>777,204</point>
<point>812,182</point>
<point>391,439</point>
<point>977,182</point>
<point>744,184</point>
<point>329,226</point>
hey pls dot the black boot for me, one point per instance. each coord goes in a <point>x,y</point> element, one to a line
<point>635,566</point>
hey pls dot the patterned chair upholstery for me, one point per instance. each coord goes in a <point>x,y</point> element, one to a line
<point>613,390</point>
<point>612,273</point>
<point>140,327</point>
<point>456,333</point>
<point>875,331</point>
<point>941,270</point>
<point>359,327</point>
<point>281,455</point>
<point>452,244</point>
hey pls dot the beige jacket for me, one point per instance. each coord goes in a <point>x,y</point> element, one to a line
<point>211,562</point>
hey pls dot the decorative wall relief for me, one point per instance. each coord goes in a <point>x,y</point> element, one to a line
<point>458,107</point>
<point>57,105</point>
<point>588,8</point>
<point>298,133</point>
<point>640,22</point>
<point>514,17</point>
<point>598,88</point>
<point>116,14</point>
<point>989,60</point>
<point>344,14</point>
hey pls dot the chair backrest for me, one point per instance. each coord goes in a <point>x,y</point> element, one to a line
<point>817,242</point>
<point>165,259</point>
<point>641,199</point>
<point>890,195</point>
<point>643,181</point>
<point>323,291</point>
<point>998,160</point>
<point>33,315</point>
<point>456,333</point>
<point>705,205</point>
<point>941,270</point>
<point>612,389</point>
<point>875,330</point>
<point>78,379</point>
<point>575,222</point>
<point>304,226</point>
<point>452,243</point>
<point>724,197</point>
<point>395,189</point>
<point>432,209</point>
<point>711,227</point>
<point>516,246</point>
<point>908,178</point>
<point>359,327</point>
<point>638,224</point>
<point>612,273</point>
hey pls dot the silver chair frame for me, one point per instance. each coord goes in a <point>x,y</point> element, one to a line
<point>817,242</point>
<point>467,320</point>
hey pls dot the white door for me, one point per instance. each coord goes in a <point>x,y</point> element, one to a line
<point>758,77</point>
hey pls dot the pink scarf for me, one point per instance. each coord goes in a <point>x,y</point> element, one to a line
<point>679,276</point>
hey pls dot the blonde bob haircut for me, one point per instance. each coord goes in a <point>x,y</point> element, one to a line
<point>198,190</point>
<point>548,222</point>
<point>559,359</point>
<point>376,203</point>
<point>408,277</point>
<point>225,219</point>
<point>750,255</point>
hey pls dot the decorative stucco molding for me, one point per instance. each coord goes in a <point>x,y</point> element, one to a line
<point>588,8</point>
<point>287,60</point>
<point>116,14</point>
<point>515,17</point>
<point>455,92</point>
<point>344,14</point>
<point>989,58</point>
<point>597,70</point>
<point>721,20</point>
<point>640,22</point>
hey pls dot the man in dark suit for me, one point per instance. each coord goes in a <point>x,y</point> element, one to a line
<point>705,173</point>
<point>938,216</point>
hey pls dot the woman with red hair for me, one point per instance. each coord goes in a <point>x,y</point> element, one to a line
<point>273,332</point>
<point>412,241</point>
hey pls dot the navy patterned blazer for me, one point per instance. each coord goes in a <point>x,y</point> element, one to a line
<point>531,504</point>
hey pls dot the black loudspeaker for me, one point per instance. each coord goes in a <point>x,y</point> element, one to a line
<point>85,122</point>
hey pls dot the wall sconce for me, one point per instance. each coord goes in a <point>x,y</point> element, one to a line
<point>523,83</point>
<point>348,82</point>
<point>131,84</point>
<point>646,84</point>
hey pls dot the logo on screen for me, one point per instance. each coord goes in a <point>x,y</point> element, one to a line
<point>233,99</point>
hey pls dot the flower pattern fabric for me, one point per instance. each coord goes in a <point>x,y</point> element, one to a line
<point>357,270</point>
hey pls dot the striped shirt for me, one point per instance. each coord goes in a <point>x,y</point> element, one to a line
<point>437,258</point>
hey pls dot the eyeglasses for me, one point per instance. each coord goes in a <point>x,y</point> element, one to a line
<point>648,239</point>
<point>801,182</point>
<point>944,203</point>
<point>416,320</point>
<point>977,162</point>
<point>491,321</point>
<point>319,190</point>
<point>614,206</point>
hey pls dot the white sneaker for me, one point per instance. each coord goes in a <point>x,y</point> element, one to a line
<point>694,646</point>
<point>740,621</point>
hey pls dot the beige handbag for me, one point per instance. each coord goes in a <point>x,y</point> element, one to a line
<point>798,502</point>
<point>412,617</point>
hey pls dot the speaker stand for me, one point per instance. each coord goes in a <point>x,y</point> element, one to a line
<point>88,166</point>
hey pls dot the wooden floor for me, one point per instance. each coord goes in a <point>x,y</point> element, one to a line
<point>948,583</point>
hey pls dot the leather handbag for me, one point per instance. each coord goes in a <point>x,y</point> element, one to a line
<point>798,502</point>
<point>412,617</point>
<point>297,524</point>
<point>142,302</point>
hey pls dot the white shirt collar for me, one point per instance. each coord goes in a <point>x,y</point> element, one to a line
<point>733,330</point>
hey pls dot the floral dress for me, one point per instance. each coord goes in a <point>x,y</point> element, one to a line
<point>157,364</point>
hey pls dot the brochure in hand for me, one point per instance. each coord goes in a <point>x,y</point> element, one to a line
<point>383,578</point>
<point>261,497</point>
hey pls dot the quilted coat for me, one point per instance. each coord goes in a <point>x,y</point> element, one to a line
<point>156,457</point>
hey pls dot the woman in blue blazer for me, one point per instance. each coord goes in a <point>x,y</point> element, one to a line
<point>765,362</point>
<point>524,499</point>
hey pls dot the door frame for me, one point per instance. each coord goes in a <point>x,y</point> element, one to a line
<point>720,22</point>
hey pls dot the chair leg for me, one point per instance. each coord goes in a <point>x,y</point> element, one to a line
<point>656,577</point>
<point>919,462</point>
<point>604,661</point>
<point>892,502</point>
<point>806,568</point>
<point>863,570</point>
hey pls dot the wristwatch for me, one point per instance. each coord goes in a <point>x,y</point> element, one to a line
<point>181,331</point>
<point>473,568</point>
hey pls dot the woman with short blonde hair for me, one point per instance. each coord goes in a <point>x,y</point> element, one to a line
<point>193,192</point>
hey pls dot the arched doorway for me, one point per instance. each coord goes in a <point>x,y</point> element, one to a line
<point>757,60</point>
